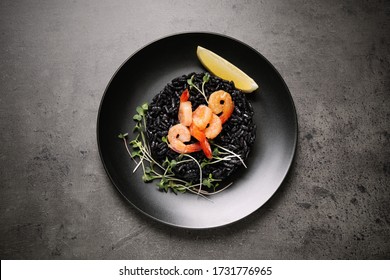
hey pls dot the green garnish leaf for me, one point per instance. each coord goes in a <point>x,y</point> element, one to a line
<point>136,128</point>
<point>206,183</point>
<point>145,106</point>
<point>190,82</point>
<point>135,154</point>
<point>137,117</point>
<point>216,152</point>
<point>147,178</point>
<point>122,136</point>
<point>140,111</point>
<point>135,144</point>
<point>164,139</point>
<point>206,77</point>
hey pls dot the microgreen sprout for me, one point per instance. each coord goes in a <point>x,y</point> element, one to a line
<point>218,156</point>
<point>205,79</point>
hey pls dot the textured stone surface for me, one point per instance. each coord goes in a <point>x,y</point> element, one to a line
<point>56,201</point>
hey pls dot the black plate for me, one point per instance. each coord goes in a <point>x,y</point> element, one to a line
<point>145,74</point>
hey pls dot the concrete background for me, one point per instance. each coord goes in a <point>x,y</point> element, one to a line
<point>56,202</point>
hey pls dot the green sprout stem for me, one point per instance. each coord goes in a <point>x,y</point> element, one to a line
<point>200,171</point>
<point>202,92</point>
<point>233,153</point>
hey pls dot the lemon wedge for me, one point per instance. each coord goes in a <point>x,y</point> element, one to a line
<point>222,68</point>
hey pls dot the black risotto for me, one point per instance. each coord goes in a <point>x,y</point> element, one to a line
<point>238,133</point>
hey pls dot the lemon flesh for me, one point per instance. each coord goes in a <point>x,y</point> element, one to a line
<point>222,68</point>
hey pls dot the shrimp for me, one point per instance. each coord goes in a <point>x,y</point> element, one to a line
<point>177,135</point>
<point>185,113</point>
<point>221,102</point>
<point>201,137</point>
<point>214,127</point>
<point>185,109</point>
<point>202,116</point>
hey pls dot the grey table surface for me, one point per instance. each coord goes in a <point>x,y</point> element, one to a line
<point>56,201</point>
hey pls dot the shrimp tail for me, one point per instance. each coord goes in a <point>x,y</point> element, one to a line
<point>195,147</point>
<point>223,118</point>
<point>185,95</point>
<point>201,137</point>
<point>206,148</point>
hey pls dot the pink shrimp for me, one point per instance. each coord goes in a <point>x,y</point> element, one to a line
<point>185,113</point>
<point>214,127</point>
<point>201,116</point>
<point>185,109</point>
<point>221,102</point>
<point>177,136</point>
